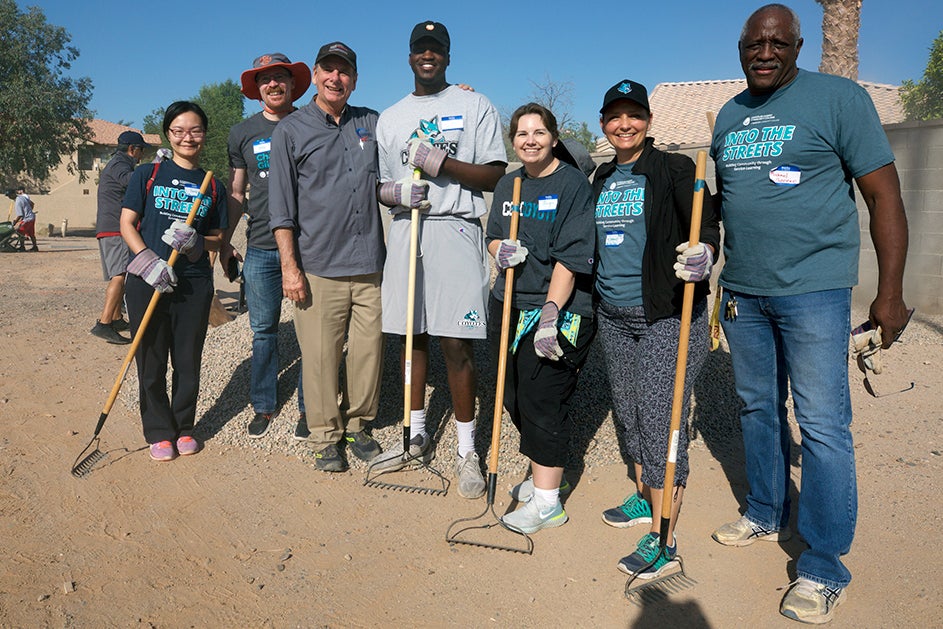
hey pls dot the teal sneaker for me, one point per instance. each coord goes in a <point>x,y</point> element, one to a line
<point>637,563</point>
<point>531,518</point>
<point>634,510</point>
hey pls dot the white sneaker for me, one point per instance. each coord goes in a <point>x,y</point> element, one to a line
<point>811,602</point>
<point>523,491</point>
<point>471,485</point>
<point>531,518</point>
<point>394,459</point>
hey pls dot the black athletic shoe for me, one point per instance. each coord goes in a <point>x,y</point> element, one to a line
<point>329,459</point>
<point>260,424</point>
<point>120,325</point>
<point>105,331</point>
<point>363,445</point>
<point>301,428</point>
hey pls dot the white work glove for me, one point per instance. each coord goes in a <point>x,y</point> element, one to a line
<point>867,350</point>
<point>405,194</point>
<point>163,154</point>
<point>510,253</point>
<point>149,267</point>
<point>545,338</point>
<point>424,156</point>
<point>184,239</point>
<point>694,263</point>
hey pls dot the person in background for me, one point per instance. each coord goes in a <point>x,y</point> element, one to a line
<point>24,212</point>
<point>153,223</point>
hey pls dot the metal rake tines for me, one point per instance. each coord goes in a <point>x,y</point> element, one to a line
<point>658,588</point>
<point>82,467</point>
<point>413,465</point>
<point>458,527</point>
<point>435,491</point>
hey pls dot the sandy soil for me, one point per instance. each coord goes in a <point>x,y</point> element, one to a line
<point>238,537</point>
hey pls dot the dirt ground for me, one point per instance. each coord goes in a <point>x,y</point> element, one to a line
<point>240,538</point>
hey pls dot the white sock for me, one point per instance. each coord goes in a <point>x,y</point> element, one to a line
<point>417,422</point>
<point>546,497</point>
<point>466,437</point>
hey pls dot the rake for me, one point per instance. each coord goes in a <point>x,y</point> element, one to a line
<point>82,466</point>
<point>661,586</point>
<point>409,461</point>
<point>482,522</point>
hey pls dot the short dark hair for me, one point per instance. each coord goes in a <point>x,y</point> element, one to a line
<point>181,107</point>
<point>549,120</point>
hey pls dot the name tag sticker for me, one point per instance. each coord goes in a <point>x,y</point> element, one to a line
<point>262,146</point>
<point>547,203</point>
<point>785,175</point>
<point>191,190</point>
<point>615,238</point>
<point>451,123</point>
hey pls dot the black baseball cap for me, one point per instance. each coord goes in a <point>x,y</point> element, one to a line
<point>132,138</point>
<point>432,30</point>
<point>628,90</point>
<point>337,49</point>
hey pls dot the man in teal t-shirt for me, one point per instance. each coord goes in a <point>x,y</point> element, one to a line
<point>787,151</point>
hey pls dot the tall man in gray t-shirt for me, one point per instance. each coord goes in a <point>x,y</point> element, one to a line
<point>454,137</point>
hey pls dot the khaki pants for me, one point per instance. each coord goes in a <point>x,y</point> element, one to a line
<point>337,308</point>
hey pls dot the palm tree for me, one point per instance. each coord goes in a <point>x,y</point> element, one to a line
<point>841,20</point>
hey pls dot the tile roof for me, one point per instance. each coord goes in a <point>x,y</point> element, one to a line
<point>680,109</point>
<point>106,133</point>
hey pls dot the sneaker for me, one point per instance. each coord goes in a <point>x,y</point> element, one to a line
<point>523,491</point>
<point>646,552</point>
<point>105,331</point>
<point>531,518</point>
<point>811,602</point>
<point>363,445</point>
<point>120,325</point>
<point>633,510</point>
<point>260,424</point>
<point>162,451</point>
<point>420,451</point>
<point>329,459</point>
<point>187,445</point>
<point>744,532</point>
<point>301,428</point>
<point>471,485</point>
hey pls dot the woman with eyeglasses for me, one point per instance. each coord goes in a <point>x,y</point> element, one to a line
<point>552,314</point>
<point>153,223</point>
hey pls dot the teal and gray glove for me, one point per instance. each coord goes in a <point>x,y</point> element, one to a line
<point>149,267</point>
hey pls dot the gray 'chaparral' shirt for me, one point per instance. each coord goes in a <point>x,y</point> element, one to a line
<point>322,185</point>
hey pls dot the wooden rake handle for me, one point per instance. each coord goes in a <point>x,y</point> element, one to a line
<point>505,329</point>
<point>410,317</point>
<point>136,341</point>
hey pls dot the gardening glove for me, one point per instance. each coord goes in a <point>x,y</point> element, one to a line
<point>545,338</point>
<point>405,194</point>
<point>163,154</point>
<point>510,253</point>
<point>694,263</point>
<point>149,267</point>
<point>424,156</point>
<point>867,351</point>
<point>184,239</point>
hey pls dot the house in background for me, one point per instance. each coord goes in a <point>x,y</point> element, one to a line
<point>679,111</point>
<point>74,196</point>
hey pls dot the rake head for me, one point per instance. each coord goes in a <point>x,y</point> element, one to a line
<point>82,466</point>
<point>458,531</point>
<point>659,588</point>
<point>410,464</point>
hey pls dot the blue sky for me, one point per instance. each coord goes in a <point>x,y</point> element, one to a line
<point>144,55</point>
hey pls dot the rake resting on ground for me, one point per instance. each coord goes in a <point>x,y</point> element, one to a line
<point>409,462</point>
<point>660,587</point>
<point>83,466</point>
<point>459,527</point>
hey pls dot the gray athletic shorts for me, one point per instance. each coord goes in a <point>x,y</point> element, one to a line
<point>115,256</point>
<point>451,278</point>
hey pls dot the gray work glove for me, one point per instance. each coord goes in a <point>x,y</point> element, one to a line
<point>510,253</point>
<point>545,338</point>
<point>424,156</point>
<point>694,263</point>
<point>405,194</point>
<point>184,239</point>
<point>149,267</point>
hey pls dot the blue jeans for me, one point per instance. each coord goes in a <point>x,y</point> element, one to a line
<point>262,274</point>
<point>799,341</point>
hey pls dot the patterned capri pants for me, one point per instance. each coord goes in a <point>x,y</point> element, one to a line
<point>640,360</point>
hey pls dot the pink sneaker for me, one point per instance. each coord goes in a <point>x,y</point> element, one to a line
<point>162,451</point>
<point>187,445</point>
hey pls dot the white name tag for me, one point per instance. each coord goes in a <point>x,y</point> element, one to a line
<point>785,175</point>
<point>262,146</point>
<point>451,123</point>
<point>547,203</point>
<point>191,190</point>
<point>614,239</point>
